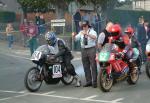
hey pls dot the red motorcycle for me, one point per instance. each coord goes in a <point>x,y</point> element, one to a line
<point>114,68</point>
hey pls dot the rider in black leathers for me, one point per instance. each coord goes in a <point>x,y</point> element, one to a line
<point>61,50</point>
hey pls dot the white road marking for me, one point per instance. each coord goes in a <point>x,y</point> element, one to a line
<point>90,98</point>
<point>51,92</point>
<point>13,97</point>
<point>24,91</point>
<point>117,100</point>
<point>5,98</point>
<point>6,91</point>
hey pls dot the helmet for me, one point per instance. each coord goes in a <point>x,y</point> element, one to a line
<point>129,31</point>
<point>115,31</point>
<point>51,38</point>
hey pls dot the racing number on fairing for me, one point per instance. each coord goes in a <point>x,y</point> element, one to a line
<point>36,55</point>
<point>57,73</point>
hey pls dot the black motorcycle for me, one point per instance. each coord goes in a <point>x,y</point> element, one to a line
<point>52,72</point>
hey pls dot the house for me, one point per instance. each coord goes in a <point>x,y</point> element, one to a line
<point>10,5</point>
<point>141,5</point>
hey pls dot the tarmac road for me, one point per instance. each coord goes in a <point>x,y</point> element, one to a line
<point>15,63</point>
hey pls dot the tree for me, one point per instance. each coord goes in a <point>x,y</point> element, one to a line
<point>33,6</point>
<point>103,5</point>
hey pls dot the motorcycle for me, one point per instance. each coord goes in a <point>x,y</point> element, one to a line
<point>113,68</point>
<point>52,72</point>
<point>147,65</point>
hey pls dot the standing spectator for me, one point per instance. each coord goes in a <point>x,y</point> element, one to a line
<point>41,27</point>
<point>98,23</point>
<point>139,26</point>
<point>88,44</point>
<point>94,21</point>
<point>37,19</point>
<point>24,29</point>
<point>32,33</point>
<point>143,35</point>
<point>77,19</point>
<point>86,17</point>
<point>10,37</point>
<point>104,36</point>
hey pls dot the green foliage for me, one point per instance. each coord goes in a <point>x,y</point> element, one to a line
<point>6,16</point>
<point>34,5</point>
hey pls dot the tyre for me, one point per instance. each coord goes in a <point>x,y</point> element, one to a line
<point>104,81</point>
<point>67,79</point>
<point>32,79</point>
<point>148,68</point>
<point>133,76</point>
<point>139,62</point>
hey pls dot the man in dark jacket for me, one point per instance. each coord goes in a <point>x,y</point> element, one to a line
<point>77,19</point>
<point>143,34</point>
<point>104,36</point>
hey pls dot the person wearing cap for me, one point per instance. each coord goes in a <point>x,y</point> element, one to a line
<point>88,39</point>
<point>32,34</point>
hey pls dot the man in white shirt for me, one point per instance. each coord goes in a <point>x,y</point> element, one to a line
<point>88,39</point>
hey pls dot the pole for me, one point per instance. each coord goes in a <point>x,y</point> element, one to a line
<point>71,35</point>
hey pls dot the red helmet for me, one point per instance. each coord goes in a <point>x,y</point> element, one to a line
<point>115,31</point>
<point>129,31</point>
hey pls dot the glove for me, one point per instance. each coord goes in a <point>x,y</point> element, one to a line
<point>121,54</point>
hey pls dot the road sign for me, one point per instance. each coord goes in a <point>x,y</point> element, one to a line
<point>58,22</point>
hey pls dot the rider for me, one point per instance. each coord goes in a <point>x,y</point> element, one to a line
<point>135,44</point>
<point>61,50</point>
<point>123,42</point>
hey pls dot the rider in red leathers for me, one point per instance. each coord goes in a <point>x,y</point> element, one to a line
<point>123,42</point>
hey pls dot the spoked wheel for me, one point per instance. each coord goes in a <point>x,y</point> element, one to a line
<point>67,79</point>
<point>104,81</point>
<point>33,79</point>
<point>148,68</point>
<point>133,75</point>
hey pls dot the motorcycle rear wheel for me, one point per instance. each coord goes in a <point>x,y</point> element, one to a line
<point>105,83</point>
<point>67,78</point>
<point>32,80</point>
<point>148,68</point>
<point>133,76</point>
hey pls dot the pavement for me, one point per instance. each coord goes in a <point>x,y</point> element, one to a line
<point>20,50</point>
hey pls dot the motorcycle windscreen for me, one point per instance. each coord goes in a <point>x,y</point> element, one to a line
<point>36,56</point>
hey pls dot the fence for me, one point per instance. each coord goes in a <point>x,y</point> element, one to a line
<point>62,32</point>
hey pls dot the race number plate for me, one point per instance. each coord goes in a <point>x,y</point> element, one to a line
<point>57,73</point>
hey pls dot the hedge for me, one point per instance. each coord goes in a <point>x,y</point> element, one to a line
<point>6,16</point>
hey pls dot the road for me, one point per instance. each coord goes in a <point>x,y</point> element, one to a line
<point>15,63</point>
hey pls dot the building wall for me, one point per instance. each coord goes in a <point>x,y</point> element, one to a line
<point>12,6</point>
<point>141,5</point>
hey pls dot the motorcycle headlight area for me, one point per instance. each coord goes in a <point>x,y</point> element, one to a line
<point>36,56</point>
<point>103,56</point>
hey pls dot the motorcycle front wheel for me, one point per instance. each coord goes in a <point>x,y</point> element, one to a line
<point>33,79</point>
<point>104,81</point>
<point>148,68</point>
